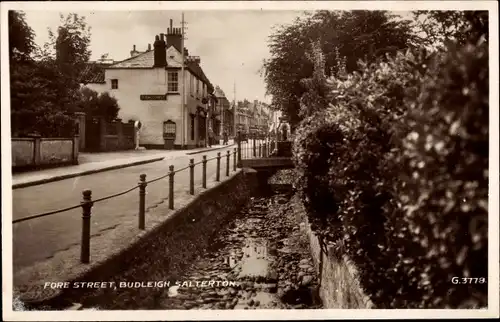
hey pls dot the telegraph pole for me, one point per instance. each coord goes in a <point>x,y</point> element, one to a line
<point>183,90</point>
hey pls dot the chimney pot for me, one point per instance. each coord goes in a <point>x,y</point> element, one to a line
<point>134,47</point>
<point>149,47</point>
<point>162,37</point>
<point>157,38</point>
<point>171,24</point>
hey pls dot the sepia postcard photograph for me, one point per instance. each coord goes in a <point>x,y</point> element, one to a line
<point>249,160</point>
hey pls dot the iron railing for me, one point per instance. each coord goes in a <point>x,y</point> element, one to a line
<point>245,150</point>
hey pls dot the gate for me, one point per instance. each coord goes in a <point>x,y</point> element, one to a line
<point>92,134</point>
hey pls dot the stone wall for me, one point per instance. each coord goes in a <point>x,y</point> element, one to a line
<point>339,287</point>
<point>23,151</point>
<point>54,151</point>
<point>36,152</point>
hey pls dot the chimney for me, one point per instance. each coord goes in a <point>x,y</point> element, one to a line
<point>186,52</point>
<point>134,52</point>
<point>160,52</point>
<point>174,37</point>
<point>195,59</point>
<point>149,47</point>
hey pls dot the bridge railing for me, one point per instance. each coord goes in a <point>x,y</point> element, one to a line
<point>87,202</point>
<point>254,147</point>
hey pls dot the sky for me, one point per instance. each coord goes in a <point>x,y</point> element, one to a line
<point>231,44</point>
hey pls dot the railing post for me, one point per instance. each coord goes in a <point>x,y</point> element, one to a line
<point>234,159</point>
<point>204,179</point>
<point>217,178</point>
<point>86,213</point>
<point>260,150</point>
<point>254,148</point>
<point>142,201</point>
<point>239,149</point>
<point>264,151</point>
<point>191,176</point>
<point>228,156</point>
<point>171,187</point>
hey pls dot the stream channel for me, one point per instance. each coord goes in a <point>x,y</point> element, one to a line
<point>260,258</point>
<point>263,251</point>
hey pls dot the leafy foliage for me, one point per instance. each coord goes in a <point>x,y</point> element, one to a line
<point>445,159</point>
<point>45,88</point>
<point>459,26</point>
<point>355,35</point>
<point>41,100</point>
<point>69,46</point>
<point>21,37</point>
<point>98,105</point>
<point>392,168</point>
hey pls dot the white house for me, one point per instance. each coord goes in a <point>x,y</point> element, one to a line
<point>148,88</point>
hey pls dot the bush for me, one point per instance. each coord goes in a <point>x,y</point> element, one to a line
<point>445,191</point>
<point>42,100</point>
<point>401,230</point>
<point>98,105</point>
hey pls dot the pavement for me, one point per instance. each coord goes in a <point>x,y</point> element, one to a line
<point>97,162</point>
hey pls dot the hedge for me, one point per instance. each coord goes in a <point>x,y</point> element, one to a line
<point>394,170</point>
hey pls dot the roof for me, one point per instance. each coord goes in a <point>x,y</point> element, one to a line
<point>146,60</point>
<point>93,73</point>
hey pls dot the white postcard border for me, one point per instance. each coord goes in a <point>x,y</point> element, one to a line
<point>493,291</point>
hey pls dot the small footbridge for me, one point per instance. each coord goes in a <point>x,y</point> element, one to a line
<point>265,156</point>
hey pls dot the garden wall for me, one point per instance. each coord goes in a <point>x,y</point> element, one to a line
<point>37,152</point>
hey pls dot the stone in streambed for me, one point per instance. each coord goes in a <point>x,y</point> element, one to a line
<point>304,261</point>
<point>306,280</point>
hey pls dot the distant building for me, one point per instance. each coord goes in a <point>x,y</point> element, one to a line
<point>148,88</point>
<point>244,117</point>
<point>225,113</point>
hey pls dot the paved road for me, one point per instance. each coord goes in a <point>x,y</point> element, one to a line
<point>39,239</point>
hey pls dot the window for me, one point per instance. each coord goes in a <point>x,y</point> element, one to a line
<point>114,84</point>
<point>173,82</point>
<point>197,87</point>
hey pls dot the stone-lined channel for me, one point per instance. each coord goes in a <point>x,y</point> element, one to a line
<point>260,258</point>
<point>264,255</point>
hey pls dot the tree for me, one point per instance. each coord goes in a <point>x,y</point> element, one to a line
<point>45,89</point>
<point>98,105</point>
<point>21,37</point>
<point>354,35</point>
<point>453,25</point>
<point>69,46</point>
